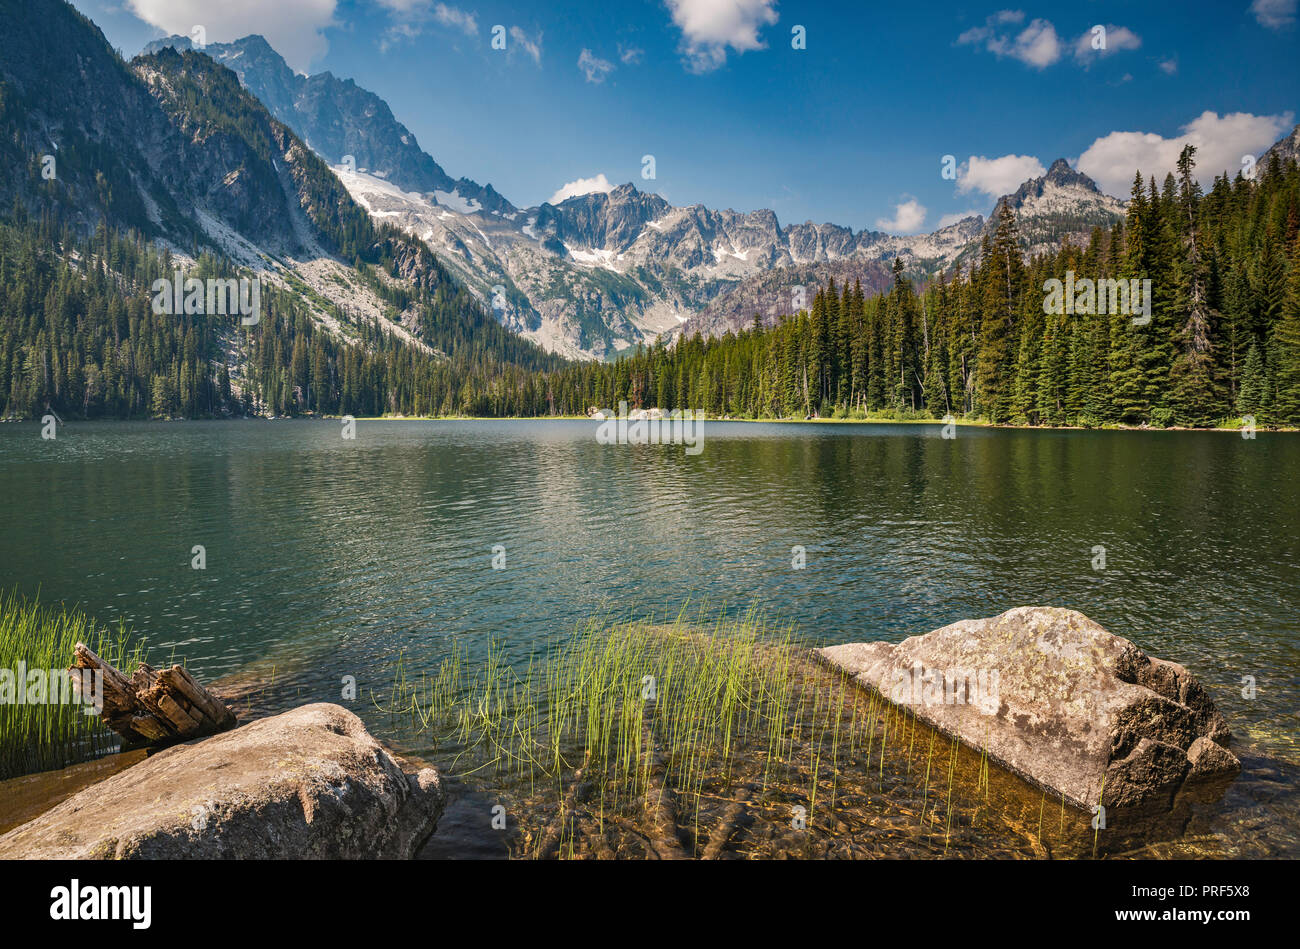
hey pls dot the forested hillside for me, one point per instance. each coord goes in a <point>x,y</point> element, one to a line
<point>1222,339</point>
<point>107,164</point>
<point>79,337</point>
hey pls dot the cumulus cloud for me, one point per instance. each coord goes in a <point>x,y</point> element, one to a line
<point>909,215</point>
<point>295,28</point>
<point>533,47</point>
<point>956,216</point>
<point>997,176</point>
<point>630,55</point>
<point>1036,45</point>
<point>1116,38</point>
<point>710,27</point>
<point>593,67</point>
<point>582,186</point>
<point>1169,66</point>
<point>1274,14</point>
<point>1220,142</point>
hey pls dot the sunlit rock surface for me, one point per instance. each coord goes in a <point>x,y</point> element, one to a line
<point>1054,697</point>
<point>309,783</point>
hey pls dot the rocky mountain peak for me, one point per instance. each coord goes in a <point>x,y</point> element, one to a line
<point>1060,175</point>
<point>1063,175</point>
<point>336,117</point>
<point>1287,147</point>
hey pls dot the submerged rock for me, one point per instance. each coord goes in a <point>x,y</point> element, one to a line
<point>309,783</point>
<point>1054,697</point>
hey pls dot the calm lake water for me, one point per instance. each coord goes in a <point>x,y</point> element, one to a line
<point>327,557</point>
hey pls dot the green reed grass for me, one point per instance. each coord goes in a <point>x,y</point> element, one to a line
<point>623,721</point>
<point>41,737</point>
<point>640,707</point>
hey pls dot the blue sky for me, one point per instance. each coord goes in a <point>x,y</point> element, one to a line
<point>851,129</point>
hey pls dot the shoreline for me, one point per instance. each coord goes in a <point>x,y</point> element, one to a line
<point>964,423</point>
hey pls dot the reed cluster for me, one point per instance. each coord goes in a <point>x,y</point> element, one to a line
<point>668,732</point>
<point>44,735</point>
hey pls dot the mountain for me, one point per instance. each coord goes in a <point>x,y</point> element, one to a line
<point>602,272</point>
<point>770,294</point>
<point>1284,149</point>
<point>336,118</point>
<point>172,146</point>
<point>1062,205</point>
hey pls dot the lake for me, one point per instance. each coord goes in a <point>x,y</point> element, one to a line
<point>328,557</point>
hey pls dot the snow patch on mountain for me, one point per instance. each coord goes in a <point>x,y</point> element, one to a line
<point>453,200</point>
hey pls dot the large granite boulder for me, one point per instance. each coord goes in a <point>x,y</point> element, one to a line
<point>309,783</point>
<point>1054,697</point>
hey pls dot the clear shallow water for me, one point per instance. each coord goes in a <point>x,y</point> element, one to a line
<point>328,557</point>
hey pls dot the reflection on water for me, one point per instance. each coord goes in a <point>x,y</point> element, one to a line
<point>329,558</point>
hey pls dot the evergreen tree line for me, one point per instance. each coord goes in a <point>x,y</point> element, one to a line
<point>1221,339</point>
<point>79,337</point>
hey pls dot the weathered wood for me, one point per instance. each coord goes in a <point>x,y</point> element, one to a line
<point>179,680</point>
<point>155,705</point>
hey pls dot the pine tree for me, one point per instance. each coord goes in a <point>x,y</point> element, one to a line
<point>1284,353</point>
<point>1194,397</point>
<point>1001,281</point>
<point>1254,385</point>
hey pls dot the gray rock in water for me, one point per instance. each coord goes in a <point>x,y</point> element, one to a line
<point>310,783</point>
<point>1054,697</point>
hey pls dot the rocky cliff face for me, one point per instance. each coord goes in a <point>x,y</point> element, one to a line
<point>1284,150</point>
<point>336,117</point>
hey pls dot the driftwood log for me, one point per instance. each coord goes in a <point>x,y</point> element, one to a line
<point>155,704</point>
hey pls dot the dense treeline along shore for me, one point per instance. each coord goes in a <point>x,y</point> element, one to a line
<point>1220,341</point>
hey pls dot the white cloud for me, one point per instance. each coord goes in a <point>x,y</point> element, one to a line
<point>295,28</point>
<point>456,18</point>
<point>1116,38</point>
<point>1274,14</point>
<point>909,215</point>
<point>956,216</point>
<point>630,55</point>
<point>404,7</point>
<point>709,27</point>
<point>1036,45</point>
<point>1169,66</point>
<point>581,186</point>
<point>997,176</point>
<point>1220,142</point>
<point>593,67</point>
<point>533,47</point>
<point>409,18</point>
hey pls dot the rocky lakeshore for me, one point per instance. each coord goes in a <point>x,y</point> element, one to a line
<point>1040,694</point>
